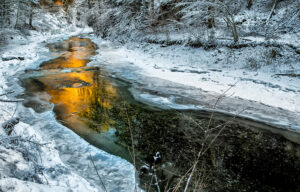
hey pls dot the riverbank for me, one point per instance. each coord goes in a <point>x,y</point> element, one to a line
<point>101,110</point>
<point>182,78</point>
<point>202,76</point>
<point>32,158</point>
<point>206,103</point>
<point>171,130</point>
<point>180,49</point>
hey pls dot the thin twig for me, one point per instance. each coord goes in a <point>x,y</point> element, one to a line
<point>6,93</point>
<point>19,138</point>
<point>15,111</point>
<point>272,10</point>
<point>132,146</point>
<point>208,147</point>
<point>11,101</point>
<point>101,181</point>
<point>181,179</point>
<point>218,100</point>
<point>156,181</point>
<point>150,183</point>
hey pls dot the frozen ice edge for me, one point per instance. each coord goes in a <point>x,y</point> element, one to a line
<point>66,149</point>
<point>116,173</point>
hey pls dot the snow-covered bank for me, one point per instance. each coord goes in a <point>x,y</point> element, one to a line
<point>38,169</point>
<point>251,74</point>
<point>211,71</point>
<point>256,53</point>
<point>47,156</point>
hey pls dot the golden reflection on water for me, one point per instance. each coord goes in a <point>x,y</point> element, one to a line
<point>80,96</point>
<point>59,3</point>
<point>76,54</point>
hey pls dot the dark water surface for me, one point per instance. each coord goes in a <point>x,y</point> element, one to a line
<point>236,157</point>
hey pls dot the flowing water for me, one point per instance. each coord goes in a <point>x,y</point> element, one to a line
<point>102,111</point>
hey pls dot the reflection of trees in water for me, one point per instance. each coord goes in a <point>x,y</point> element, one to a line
<point>101,100</point>
<point>75,53</point>
<point>74,44</point>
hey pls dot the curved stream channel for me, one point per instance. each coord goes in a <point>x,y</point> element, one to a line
<point>235,156</point>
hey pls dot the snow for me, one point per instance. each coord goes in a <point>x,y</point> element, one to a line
<point>50,162</point>
<point>210,73</point>
<point>176,76</point>
<point>64,159</point>
<point>15,185</point>
<point>163,102</point>
<point>117,174</point>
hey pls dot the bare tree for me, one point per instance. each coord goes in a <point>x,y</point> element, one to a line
<point>206,11</point>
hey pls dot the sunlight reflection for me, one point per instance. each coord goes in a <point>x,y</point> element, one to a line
<point>59,3</point>
<point>82,95</point>
<point>74,53</point>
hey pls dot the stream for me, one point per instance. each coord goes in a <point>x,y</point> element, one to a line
<point>236,154</point>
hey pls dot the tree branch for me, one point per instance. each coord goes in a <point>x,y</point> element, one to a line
<point>11,101</point>
<point>6,93</point>
<point>272,11</point>
<point>101,181</point>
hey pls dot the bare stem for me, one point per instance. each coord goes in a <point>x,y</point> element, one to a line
<point>101,181</point>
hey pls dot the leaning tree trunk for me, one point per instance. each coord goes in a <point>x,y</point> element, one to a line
<point>234,32</point>
<point>272,11</point>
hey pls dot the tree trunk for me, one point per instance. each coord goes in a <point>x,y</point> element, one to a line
<point>234,33</point>
<point>18,12</point>
<point>89,3</point>
<point>272,11</point>
<point>211,22</point>
<point>99,4</point>
<point>230,23</point>
<point>152,9</point>
<point>211,19</point>
<point>30,16</point>
<point>8,13</point>
<point>2,13</point>
<point>249,4</point>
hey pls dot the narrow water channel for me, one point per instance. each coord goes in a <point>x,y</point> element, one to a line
<point>102,111</point>
<point>83,98</point>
